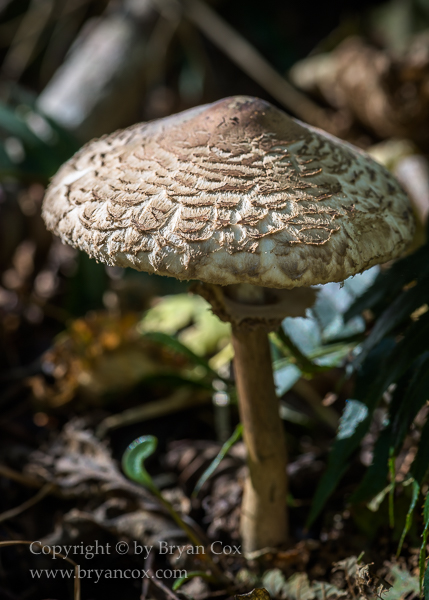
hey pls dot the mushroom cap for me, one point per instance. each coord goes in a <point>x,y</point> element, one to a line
<point>230,192</point>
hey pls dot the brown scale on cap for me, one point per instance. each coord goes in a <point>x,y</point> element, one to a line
<point>230,192</point>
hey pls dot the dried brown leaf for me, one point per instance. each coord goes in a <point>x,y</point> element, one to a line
<point>256,594</point>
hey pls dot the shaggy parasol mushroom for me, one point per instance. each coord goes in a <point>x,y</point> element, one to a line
<point>257,207</point>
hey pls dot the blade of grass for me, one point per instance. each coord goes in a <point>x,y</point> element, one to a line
<point>409,517</point>
<point>422,556</point>
<point>238,432</point>
<point>392,492</point>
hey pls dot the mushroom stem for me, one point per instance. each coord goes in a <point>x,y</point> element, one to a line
<point>264,520</point>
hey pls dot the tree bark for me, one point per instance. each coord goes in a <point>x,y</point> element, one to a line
<point>264,521</point>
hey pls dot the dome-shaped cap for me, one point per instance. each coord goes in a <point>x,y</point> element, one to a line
<point>230,192</point>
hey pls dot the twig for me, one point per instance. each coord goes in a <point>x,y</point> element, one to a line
<point>146,581</point>
<point>19,477</point>
<point>181,399</point>
<point>349,585</point>
<point>153,579</point>
<point>13,512</point>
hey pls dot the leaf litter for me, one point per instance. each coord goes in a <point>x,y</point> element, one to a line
<point>79,466</point>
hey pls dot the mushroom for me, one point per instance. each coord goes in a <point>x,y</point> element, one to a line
<point>257,207</point>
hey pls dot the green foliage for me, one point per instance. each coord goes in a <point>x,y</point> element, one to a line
<point>426,584</point>
<point>190,575</point>
<point>185,324</point>
<point>133,465</point>
<point>190,318</point>
<point>392,282</point>
<point>32,146</point>
<point>286,374</point>
<point>369,387</point>
<point>408,520</point>
<point>424,577</point>
<point>395,352</point>
<point>235,437</point>
<point>134,457</point>
<point>420,465</point>
<point>173,344</point>
<point>322,340</point>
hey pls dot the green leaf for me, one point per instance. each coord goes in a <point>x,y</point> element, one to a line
<point>190,317</point>
<point>353,426</point>
<point>238,432</point>
<point>409,396</point>
<point>14,125</point>
<point>397,313</point>
<point>173,313</point>
<point>134,457</point>
<point>408,520</point>
<point>422,554</point>
<point>174,344</point>
<point>301,335</point>
<point>414,343</point>
<point>426,584</point>
<point>190,575</point>
<point>354,413</point>
<point>422,558</point>
<point>409,401</point>
<point>354,423</point>
<point>133,466</point>
<point>426,509</point>
<point>304,363</point>
<point>390,283</point>
<point>375,503</point>
<point>286,375</point>
<point>391,464</point>
<point>420,464</point>
<point>44,144</point>
<point>375,477</point>
<point>333,299</point>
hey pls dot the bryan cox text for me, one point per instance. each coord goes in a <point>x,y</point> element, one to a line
<point>88,551</point>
